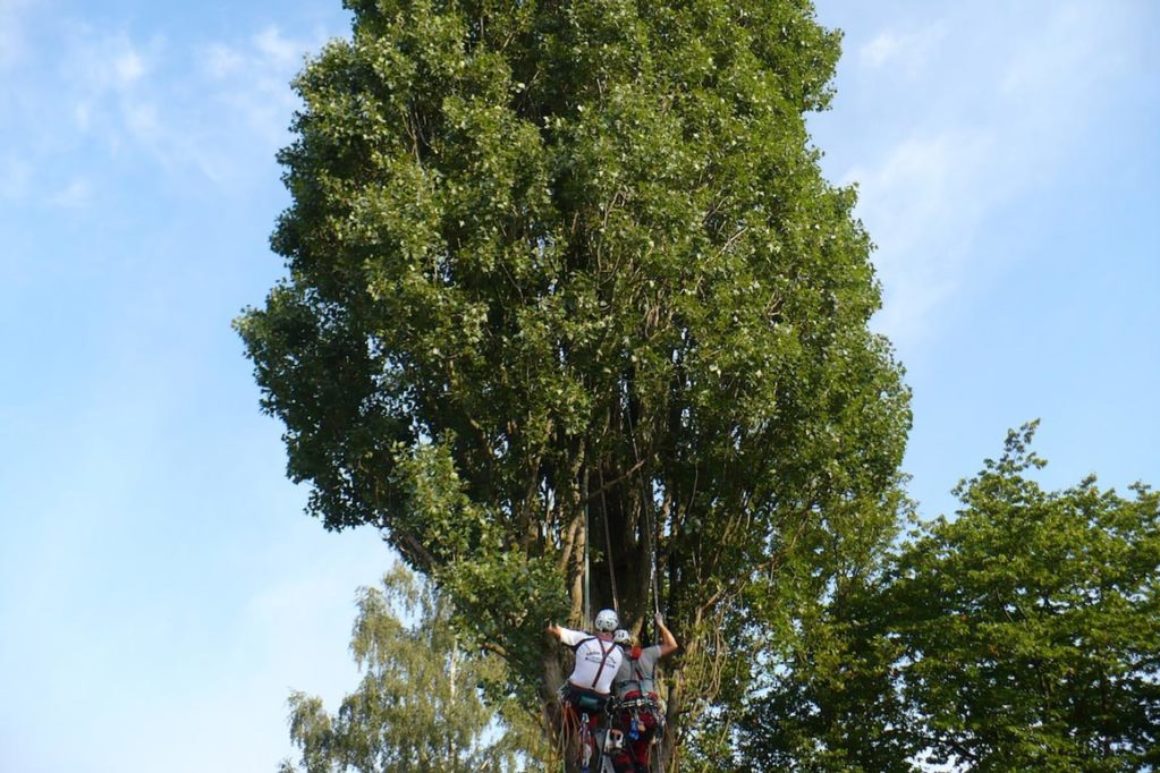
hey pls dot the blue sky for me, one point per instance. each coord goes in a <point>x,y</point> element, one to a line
<point>160,589</point>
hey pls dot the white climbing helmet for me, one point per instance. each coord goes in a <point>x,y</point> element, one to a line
<point>622,637</point>
<point>607,620</point>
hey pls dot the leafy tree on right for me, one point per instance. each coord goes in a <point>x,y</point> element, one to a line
<point>1022,635</point>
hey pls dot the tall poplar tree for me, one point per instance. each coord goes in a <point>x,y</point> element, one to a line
<point>565,281</point>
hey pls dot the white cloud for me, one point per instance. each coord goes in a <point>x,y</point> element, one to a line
<point>921,205</point>
<point>92,100</point>
<point>280,51</point>
<point>77,193</point>
<point>1082,40</point>
<point>221,61</point>
<point>909,51</point>
<point>992,113</point>
<point>12,30</point>
<point>253,80</point>
<point>106,81</point>
<point>926,182</point>
<point>129,67</point>
<point>100,63</point>
<point>15,175</point>
<point>142,120</point>
<point>139,99</point>
<point>880,50</point>
<point>1060,78</point>
<point>83,114</point>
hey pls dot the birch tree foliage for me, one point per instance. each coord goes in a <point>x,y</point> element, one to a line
<point>418,706</point>
<point>567,276</point>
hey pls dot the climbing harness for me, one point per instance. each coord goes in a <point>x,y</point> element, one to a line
<point>604,653</point>
<point>606,740</point>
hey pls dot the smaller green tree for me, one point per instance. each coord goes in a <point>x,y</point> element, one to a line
<point>1022,635</point>
<point>420,706</point>
<point>1028,625</point>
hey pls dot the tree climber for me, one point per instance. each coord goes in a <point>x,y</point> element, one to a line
<point>640,713</point>
<point>598,659</point>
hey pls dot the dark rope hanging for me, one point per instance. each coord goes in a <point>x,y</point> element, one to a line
<point>587,530</point>
<point>646,504</point>
<point>608,545</point>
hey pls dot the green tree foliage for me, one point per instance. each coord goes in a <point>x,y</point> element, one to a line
<point>567,277</point>
<point>1022,635</point>
<point>832,701</point>
<point>1029,624</point>
<point>418,707</point>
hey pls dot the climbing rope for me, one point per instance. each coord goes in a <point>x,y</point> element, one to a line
<point>647,505</point>
<point>608,544</point>
<point>587,524</point>
<point>651,526</point>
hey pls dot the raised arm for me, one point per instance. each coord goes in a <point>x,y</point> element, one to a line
<point>566,635</point>
<point>668,641</point>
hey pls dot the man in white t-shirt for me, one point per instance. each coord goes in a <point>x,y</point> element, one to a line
<point>598,659</point>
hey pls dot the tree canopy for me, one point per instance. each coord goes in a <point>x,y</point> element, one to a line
<point>565,280</point>
<point>1021,635</point>
<point>419,706</point>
